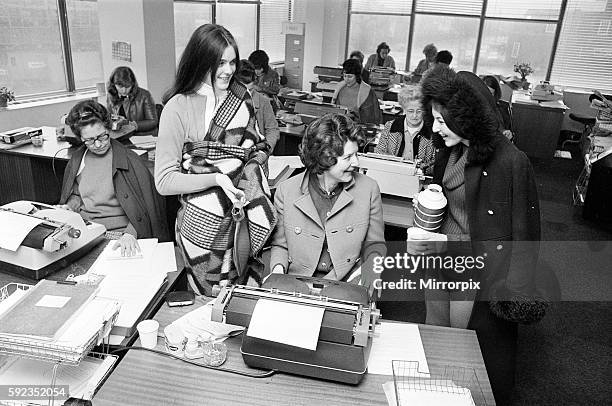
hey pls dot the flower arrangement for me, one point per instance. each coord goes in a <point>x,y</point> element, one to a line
<point>524,69</point>
<point>6,96</point>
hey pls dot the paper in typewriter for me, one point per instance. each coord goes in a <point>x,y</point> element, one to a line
<point>287,323</point>
<point>14,229</point>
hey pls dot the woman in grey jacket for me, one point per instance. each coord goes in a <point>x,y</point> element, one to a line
<point>330,220</point>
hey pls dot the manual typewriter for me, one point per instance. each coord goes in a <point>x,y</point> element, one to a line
<point>346,331</point>
<point>60,237</point>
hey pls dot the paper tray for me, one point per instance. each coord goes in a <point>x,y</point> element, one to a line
<point>26,347</point>
<point>86,396</point>
<point>447,380</point>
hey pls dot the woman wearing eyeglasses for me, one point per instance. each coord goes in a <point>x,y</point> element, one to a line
<point>108,184</point>
<point>407,136</point>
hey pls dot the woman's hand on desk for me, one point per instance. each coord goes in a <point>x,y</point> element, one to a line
<point>128,244</point>
<point>63,207</point>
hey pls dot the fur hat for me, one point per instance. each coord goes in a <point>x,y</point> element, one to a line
<point>466,110</point>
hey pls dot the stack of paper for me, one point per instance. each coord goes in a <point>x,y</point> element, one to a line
<point>144,141</point>
<point>133,281</point>
<point>55,321</point>
<point>447,393</point>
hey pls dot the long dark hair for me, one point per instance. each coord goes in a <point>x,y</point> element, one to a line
<point>202,55</point>
<point>122,76</point>
<point>493,83</point>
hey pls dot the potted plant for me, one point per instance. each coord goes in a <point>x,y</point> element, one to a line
<point>6,96</point>
<point>524,69</point>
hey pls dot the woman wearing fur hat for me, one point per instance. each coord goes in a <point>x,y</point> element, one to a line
<point>493,214</point>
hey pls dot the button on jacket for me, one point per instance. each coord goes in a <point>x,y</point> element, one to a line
<point>356,217</point>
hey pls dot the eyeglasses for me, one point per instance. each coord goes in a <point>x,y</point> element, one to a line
<point>100,138</point>
<point>418,112</point>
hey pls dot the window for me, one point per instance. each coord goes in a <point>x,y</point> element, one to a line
<point>272,15</point>
<point>85,43</point>
<point>241,20</point>
<point>382,6</point>
<point>240,17</point>
<point>524,9</point>
<point>32,53</point>
<point>506,42</point>
<point>188,17</point>
<point>367,31</point>
<point>455,34</point>
<point>584,51</point>
<point>472,7</point>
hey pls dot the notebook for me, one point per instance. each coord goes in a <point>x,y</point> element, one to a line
<point>46,309</point>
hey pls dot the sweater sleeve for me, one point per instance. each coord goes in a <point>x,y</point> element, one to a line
<point>169,180</point>
<point>280,251</point>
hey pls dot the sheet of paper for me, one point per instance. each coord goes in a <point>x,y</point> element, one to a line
<point>144,276</point>
<point>396,341</point>
<point>14,228</point>
<point>287,323</point>
<point>53,301</point>
<point>458,397</point>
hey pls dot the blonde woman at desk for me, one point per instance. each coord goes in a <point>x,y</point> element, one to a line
<point>107,183</point>
<point>208,146</point>
<point>356,95</point>
<point>330,220</point>
<point>407,136</point>
<point>492,214</point>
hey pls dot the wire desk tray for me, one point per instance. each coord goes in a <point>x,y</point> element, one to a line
<point>448,384</point>
<point>24,346</point>
<point>57,382</point>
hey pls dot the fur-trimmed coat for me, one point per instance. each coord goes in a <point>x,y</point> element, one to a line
<point>500,191</point>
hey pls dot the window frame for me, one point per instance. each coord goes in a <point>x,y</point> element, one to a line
<point>483,18</point>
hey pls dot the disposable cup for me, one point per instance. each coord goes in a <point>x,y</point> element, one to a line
<point>147,330</point>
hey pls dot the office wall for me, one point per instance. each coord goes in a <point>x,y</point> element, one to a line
<point>148,26</point>
<point>37,114</point>
<point>325,33</point>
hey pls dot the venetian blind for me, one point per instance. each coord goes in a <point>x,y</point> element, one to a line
<point>382,6</point>
<point>584,51</point>
<point>473,7</point>
<point>272,15</point>
<point>528,9</point>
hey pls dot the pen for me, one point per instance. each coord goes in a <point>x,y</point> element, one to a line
<point>67,282</point>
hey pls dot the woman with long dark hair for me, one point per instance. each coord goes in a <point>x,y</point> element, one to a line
<point>210,153</point>
<point>131,102</point>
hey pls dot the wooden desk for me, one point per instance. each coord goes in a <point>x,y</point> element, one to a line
<point>537,129</point>
<point>144,378</point>
<point>26,172</point>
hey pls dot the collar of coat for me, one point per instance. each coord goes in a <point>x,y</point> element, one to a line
<point>120,158</point>
<point>305,204</point>
<point>362,95</point>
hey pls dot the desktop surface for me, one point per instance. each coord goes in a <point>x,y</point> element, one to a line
<point>146,378</point>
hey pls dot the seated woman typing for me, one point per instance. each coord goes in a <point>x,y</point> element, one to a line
<point>107,183</point>
<point>356,95</point>
<point>330,220</point>
<point>130,102</point>
<point>407,136</point>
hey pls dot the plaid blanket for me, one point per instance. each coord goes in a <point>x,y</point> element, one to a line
<point>209,236</point>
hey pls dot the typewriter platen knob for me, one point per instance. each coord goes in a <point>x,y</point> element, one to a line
<point>74,233</point>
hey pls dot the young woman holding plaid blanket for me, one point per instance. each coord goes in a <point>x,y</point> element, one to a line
<point>209,152</point>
